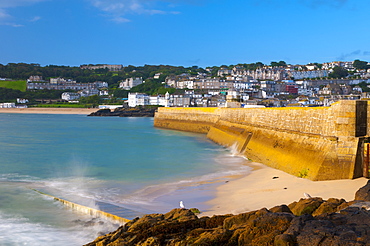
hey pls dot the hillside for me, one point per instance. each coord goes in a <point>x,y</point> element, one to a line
<point>20,85</point>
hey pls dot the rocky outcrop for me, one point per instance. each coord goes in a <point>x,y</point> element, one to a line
<point>127,112</point>
<point>312,221</point>
<point>363,193</point>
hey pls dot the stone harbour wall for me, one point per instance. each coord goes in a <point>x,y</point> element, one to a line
<point>187,119</point>
<point>319,143</point>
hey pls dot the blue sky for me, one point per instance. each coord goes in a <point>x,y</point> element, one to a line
<point>183,32</point>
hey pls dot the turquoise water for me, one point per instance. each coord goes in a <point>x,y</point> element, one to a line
<point>121,161</point>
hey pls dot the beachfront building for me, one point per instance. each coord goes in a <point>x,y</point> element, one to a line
<point>138,99</point>
<point>109,106</point>
<point>22,100</point>
<point>159,100</point>
<point>7,105</point>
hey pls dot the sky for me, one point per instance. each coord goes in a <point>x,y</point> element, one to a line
<point>183,32</point>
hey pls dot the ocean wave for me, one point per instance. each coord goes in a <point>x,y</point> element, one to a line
<point>147,195</point>
<point>88,191</point>
<point>25,232</point>
<point>230,166</point>
<point>16,177</point>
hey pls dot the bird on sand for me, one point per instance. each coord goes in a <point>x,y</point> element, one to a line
<point>306,195</point>
<point>182,204</point>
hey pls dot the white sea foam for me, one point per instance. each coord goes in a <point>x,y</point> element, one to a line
<point>234,166</point>
<point>22,231</point>
<point>234,150</point>
<point>16,177</point>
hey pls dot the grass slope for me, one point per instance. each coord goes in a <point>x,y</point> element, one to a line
<point>15,85</point>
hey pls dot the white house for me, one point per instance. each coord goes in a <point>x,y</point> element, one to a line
<point>157,75</point>
<point>109,106</point>
<point>7,105</point>
<point>22,100</point>
<point>70,96</point>
<point>89,92</point>
<point>103,93</point>
<point>138,99</point>
<point>130,82</point>
<point>160,100</point>
<point>101,84</point>
<point>61,81</point>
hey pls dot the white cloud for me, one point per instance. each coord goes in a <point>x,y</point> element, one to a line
<point>119,8</point>
<point>14,24</point>
<point>36,18</point>
<point>3,14</point>
<point>5,18</point>
<point>119,19</point>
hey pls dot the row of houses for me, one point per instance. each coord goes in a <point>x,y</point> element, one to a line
<point>292,71</point>
<point>189,99</point>
<point>63,84</point>
<point>74,96</point>
<point>234,99</point>
<point>272,73</point>
<point>11,105</point>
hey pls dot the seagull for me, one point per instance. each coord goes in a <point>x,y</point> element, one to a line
<point>306,195</point>
<point>182,204</point>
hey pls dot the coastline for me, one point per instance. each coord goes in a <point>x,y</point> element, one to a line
<point>266,187</point>
<point>85,111</point>
<point>251,192</point>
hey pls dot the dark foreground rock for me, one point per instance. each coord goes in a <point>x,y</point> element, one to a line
<point>363,193</point>
<point>127,112</point>
<point>312,221</point>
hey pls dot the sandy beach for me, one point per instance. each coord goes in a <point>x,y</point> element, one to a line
<point>85,111</point>
<point>267,187</point>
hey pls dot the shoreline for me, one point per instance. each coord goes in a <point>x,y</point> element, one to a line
<point>85,111</point>
<point>253,191</point>
<point>266,187</point>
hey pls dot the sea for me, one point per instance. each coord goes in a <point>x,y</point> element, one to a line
<point>107,163</point>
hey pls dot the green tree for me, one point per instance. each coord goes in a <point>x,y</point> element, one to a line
<point>94,100</point>
<point>278,64</point>
<point>119,93</point>
<point>10,95</point>
<point>360,64</point>
<point>364,87</point>
<point>163,90</point>
<point>338,72</point>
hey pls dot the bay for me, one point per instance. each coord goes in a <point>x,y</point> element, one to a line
<point>124,162</point>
